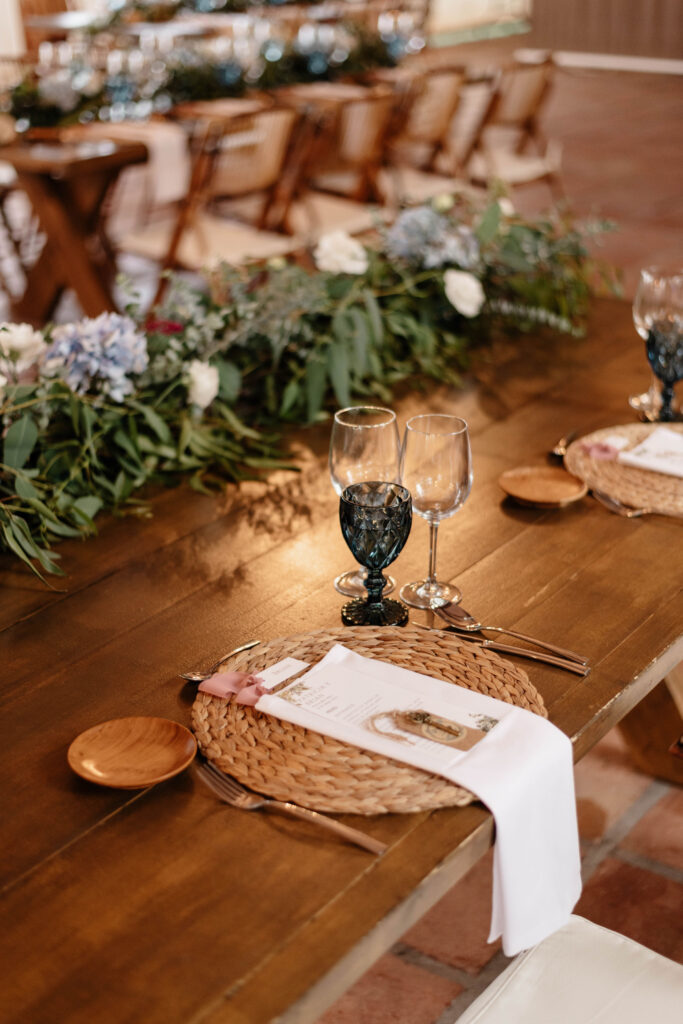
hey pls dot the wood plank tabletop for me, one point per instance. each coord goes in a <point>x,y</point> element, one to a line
<point>164,905</point>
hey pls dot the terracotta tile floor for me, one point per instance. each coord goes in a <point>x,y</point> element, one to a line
<point>632,841</point>
<point>622,158</point>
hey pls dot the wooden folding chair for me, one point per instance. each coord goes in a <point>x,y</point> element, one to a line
<point>431,104</point>
<point>510,124</point>
<point>358,120</point>
<point>246,165</point>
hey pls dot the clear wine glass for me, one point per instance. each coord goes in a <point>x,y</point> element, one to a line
<point>436,467</point>
<point>658,301</point>
<point>364,445</point>
<point>375,518</point>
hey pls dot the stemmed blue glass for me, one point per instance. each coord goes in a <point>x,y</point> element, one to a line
<point>364,445</point>
<point>658,317</point>
<point>375,518</point>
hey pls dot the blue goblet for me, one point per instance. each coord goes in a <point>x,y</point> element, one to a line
<point>375,518</point>
<point>664,347</point>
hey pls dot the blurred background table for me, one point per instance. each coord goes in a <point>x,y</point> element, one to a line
<point>67,184</point>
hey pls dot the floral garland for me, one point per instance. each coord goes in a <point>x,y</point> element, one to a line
<point>94,410</point>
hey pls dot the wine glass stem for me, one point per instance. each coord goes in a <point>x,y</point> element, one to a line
<point>431,576</point>
<point>374,584</point>
<point>666,412</point>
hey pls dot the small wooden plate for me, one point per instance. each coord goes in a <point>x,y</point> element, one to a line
<point>542,486</point>
<point>131,753</point>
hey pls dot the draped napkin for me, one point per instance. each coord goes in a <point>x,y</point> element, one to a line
<point>661,451</point>
<point>521,769</point>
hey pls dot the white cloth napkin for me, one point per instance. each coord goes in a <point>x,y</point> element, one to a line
<point>522,770</point>
<point>661,451</point>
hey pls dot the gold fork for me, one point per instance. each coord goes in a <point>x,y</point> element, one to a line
<point>232,792</point>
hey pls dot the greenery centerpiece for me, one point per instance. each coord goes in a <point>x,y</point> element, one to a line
<point>202,387</point>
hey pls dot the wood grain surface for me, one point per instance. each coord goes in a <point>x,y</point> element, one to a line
<point>164,905</point>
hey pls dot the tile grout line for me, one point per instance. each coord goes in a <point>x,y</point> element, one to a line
<point>599,851</point>
<point>479,983</point>
<point>656,867</point>
<point>410,955</point>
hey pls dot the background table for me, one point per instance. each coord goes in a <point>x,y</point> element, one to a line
<point>164,905</point>
<point>67,184</point>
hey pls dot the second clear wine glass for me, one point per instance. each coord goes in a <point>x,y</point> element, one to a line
<point>364,446</point>
<point>436,467</point>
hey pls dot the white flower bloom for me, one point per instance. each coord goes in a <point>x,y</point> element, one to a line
<point>338,253</point>
<point>464,292</point>
<point>3,384</point>
<point>203,383</point>
<point>21,346</point>
<point>56,89</point>
<point>507,207</point>
<point>443,203</point>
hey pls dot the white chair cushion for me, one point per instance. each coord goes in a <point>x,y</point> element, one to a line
<point>514,168</point>
<point>209,240</point>
<point>583,974</point>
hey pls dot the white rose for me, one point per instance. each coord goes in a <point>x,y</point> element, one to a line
<point>464,292</point>
<point>338,253</point>
<point>506,206</point>
<point>203,383</point>
<point>443,203</point>
<point>21,345</point>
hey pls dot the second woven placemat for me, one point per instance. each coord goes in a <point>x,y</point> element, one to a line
<point>641,488</point>
<point>288,762</point>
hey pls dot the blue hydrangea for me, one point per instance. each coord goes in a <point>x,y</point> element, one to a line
<point>425,238</point>
<point>98,355</point>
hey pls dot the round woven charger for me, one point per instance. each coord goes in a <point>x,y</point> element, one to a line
<point>291,763</point>
<point>638,487</point>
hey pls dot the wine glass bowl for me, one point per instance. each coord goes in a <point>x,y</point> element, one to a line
<point>658,319</point>
<point>364,445</point>
<point>436,467</point>
<point>375,518</point>
<point>664,347</point>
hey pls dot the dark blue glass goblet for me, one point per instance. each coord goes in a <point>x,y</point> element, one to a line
<point>664,347</point>
<point>375,519</point>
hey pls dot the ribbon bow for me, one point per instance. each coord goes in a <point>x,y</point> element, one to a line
<point>244,687</point>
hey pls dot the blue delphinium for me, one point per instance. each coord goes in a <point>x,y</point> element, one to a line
<point>425,238</point>
<point>98,355</point>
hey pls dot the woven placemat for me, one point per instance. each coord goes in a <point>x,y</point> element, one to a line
<point>291,763</point>
<point>641,488</point>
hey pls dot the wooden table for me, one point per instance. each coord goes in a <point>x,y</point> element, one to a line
<point>164,905</point>
<point>67,184</point>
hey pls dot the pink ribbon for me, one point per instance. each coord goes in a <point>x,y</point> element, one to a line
<point>601,451</point>
<point>245,687</point>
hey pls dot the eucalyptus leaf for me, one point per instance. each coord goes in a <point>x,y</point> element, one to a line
<point>20,441</point>
<point>338,368</point>
<point>316,379</point>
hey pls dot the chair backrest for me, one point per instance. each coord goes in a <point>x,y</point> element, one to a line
<point>363,127</point>
<point>476,100</point>
<point>251,152</point>
<point>522,90</point>
<point>434,105</point>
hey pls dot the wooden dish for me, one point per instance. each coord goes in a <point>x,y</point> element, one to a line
<point>131,753</point>
<point>542,486</point>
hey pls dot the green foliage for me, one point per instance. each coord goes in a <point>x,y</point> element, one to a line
<point>282,344</point>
